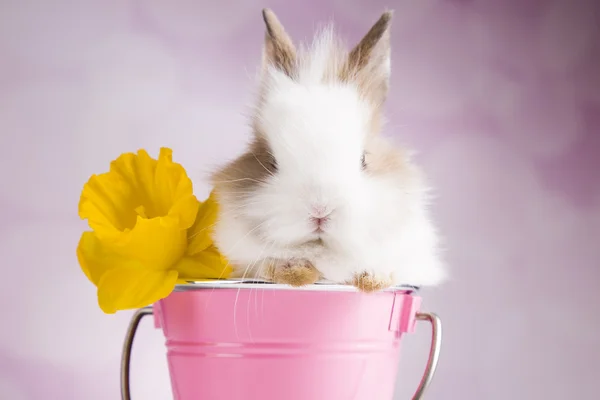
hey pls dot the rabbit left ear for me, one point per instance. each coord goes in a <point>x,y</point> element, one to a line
<point>279,51</point>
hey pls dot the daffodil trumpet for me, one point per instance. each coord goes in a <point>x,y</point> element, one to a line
<point>148,232</point>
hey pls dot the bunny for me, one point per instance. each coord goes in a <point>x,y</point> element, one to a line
<point>320,193</point>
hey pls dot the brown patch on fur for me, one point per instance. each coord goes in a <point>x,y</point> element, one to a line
<point>385,159</point>
<point>295,272</point>
<point>382,157</point>
<point>279,48</point>
<point>247,171</point>
<point>368,283</point>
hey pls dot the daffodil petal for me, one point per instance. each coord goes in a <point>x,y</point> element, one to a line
<point>200,234</point>
<point>185,211</point>
<point>107,202</point>
<point>209,264</point>
<point>129,288</point>
<point>158,243</point>
<point>137,171</point>
<point>95,259</point>
<point>122,283</point>
<point>174,190</point>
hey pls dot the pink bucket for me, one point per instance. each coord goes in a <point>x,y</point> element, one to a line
<point>238,340</point>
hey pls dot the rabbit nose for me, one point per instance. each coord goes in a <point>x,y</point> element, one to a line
<point>319,222</point>
<point>319,216</point>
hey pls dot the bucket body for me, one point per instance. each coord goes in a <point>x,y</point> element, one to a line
<point>228,344</point>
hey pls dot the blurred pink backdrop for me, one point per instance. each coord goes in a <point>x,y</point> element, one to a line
<point>500,98</point>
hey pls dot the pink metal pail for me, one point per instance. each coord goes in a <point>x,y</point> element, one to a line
<point>239,340</point>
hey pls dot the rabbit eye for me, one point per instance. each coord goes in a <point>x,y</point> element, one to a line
<point>273,164</point>
<point>363,161</point>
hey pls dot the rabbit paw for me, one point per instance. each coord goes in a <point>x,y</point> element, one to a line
<point>368,282</point>
<point>294,272</point>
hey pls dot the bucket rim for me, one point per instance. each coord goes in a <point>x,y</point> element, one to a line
<point>320,286</point>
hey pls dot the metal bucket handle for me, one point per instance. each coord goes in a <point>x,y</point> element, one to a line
<point>434,351</point>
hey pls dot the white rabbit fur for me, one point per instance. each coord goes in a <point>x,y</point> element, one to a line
<point>311,129</point>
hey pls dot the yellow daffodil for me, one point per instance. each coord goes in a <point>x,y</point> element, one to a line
<point>148,232</point>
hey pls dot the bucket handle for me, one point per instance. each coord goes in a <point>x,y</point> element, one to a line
<point>127,345</point>
<point>434,351</point>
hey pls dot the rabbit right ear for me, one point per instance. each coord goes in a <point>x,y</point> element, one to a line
<point>279,51</point>
<point>369,61</point>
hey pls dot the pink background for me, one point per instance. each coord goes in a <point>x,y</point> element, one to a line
<point>501,99</point>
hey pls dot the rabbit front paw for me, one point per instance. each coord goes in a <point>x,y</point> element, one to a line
<point>368,282</point>
<point>293,272</point>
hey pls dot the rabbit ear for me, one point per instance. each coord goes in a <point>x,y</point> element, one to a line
<point>369,61</point>
<point>279,51</point>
